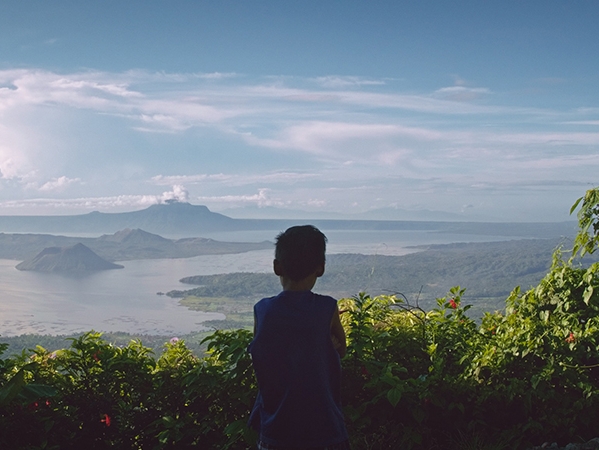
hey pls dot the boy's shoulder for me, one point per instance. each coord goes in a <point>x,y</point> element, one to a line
<point>296,296</point>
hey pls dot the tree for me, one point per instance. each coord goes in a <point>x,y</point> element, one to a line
<point>588,216</point>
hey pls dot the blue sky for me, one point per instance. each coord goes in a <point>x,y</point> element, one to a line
<point>486,110</point>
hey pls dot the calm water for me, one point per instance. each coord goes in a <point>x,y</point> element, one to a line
<point>127,300</point>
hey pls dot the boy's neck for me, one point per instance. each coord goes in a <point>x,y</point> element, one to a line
<point>305,284</point>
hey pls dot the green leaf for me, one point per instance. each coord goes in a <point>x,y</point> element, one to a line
<point>11,389</point>
<point>236,428</point>
<point>394,395</point>
<point>588,293</point>
<point>575,205</point>
<point>34,391</point>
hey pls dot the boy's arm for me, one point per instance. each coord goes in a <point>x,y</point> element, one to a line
<point>338,333</point>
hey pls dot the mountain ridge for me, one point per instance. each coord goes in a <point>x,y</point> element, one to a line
<point>185,219</point>
<point>124,245</point>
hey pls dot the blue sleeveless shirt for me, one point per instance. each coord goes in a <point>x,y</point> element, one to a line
<point>298,372</point>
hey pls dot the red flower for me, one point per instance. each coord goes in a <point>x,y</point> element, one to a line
<point>95,356</point>
<point>106,420</point>
<point>570,339</point>
<point>453,304</point>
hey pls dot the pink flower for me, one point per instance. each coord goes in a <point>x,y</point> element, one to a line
<point>453,304</point>
<point>570,339</point>
<point>106,420</point>
<point>174,340</point>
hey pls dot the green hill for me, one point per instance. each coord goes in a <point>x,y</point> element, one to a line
<point>74,259</point>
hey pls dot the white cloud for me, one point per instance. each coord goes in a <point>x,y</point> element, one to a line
<point>261,199</point>
<point>109,94</point>
<point>340,140</point>
<point>386,138</point>
<point>217,75</point>
<point>233,179</point>
<point>551,138</point>
<point>161,123</point>
<point>81,203</point>
<point>319,131</point>
<point>104,203</point>
<point>75,84</point>
<point>339,82</point>
<point>583,122</point>
<point>58,184</point>
<point>393,101</point>
<point>461,93</point>
<point>168,180</point>
<point>562,162</point>
<point>179,193</point>
<point>318,203</point>
<point>17,158</point>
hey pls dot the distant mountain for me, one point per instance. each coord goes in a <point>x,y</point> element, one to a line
<point>420,214</point>
<point>389,213</point>
<point>131,244</point>
<point>184,219</point>
<point>135,236</point>
<point>124,245</point>
<point>169,218</point>
<point>74,259</point>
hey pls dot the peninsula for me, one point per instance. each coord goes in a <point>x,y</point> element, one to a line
<point>124,245</point>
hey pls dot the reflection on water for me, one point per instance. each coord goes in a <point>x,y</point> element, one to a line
<point>127,300</point>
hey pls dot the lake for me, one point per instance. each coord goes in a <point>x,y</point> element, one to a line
<point>127,300</point>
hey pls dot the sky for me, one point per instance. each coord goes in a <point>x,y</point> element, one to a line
<point>476,110</point>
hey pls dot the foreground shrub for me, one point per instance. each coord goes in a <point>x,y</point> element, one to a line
<point>95,395</point>
<point>411,379</point>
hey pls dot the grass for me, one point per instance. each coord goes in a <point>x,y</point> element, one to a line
<point>238,311</point>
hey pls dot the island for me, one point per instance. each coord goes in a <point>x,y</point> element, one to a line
<point>73,259</point>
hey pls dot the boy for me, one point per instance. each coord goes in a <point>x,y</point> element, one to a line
<point>296,350</point>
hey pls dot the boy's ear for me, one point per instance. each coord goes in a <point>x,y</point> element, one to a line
<point>320,271</point>
<point>277,267</point>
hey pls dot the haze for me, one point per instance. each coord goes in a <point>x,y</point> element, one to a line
<point>485,110</point>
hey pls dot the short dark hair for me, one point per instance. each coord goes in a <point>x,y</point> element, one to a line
<point>300,250</point>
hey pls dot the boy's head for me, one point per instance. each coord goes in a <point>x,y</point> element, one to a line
<point>300,251</point>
